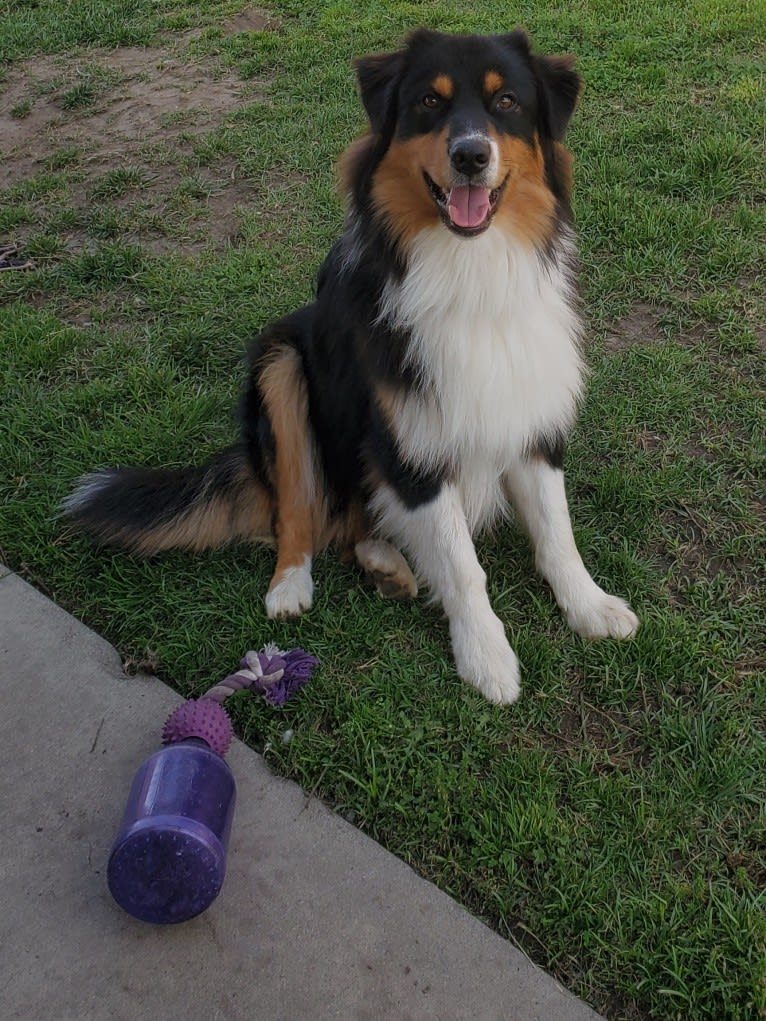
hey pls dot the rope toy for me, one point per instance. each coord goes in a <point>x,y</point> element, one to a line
<point>274,674</point>
<point>169,858</point>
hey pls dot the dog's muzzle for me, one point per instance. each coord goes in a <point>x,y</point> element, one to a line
<point>469,203</point>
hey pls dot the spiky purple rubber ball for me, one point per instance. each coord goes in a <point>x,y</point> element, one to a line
<point>202,718</point>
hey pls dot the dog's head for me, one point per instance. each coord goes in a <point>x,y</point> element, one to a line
<point>466,131</point>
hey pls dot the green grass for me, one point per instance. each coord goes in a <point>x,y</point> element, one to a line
<point>21,110</point>
<point>613,822</point>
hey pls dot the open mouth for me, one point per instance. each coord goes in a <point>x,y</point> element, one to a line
<point>467,209</point>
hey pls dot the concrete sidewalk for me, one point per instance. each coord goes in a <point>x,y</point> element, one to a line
<point>315,921</point>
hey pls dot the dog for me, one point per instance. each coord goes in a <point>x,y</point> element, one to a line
<point>431,385</point>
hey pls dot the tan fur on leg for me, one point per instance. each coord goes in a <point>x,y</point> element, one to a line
<point>283,387</point>
<point>387,568</point>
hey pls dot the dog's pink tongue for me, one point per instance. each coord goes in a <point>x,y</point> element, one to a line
<point>468,205</point>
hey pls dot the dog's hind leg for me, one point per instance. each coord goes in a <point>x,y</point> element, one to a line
<point>387,568</point>
<point>283,390</point>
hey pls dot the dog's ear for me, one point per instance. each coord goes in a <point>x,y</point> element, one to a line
<point>378,75</point>
<point>560,86</point>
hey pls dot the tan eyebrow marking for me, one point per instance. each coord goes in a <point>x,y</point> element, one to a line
<point>443,86</point>
<point>493,82</point>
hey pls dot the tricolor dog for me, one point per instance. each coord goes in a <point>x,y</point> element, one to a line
<point>431,385</point>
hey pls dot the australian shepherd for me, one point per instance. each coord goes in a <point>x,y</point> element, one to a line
<point>431,385</point>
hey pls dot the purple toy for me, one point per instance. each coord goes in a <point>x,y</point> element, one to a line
<point>169,859</point>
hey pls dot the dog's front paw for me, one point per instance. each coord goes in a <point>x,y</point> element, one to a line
<point>485,659</point>
<point>602,616</point>
<point>290,594</point>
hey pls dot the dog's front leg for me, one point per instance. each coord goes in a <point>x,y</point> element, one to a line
<point>537,490</point>
<point>436,536</point>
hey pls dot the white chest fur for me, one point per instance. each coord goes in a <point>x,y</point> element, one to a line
<point>494,340</point>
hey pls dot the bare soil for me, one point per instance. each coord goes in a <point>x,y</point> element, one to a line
<point>144,109</point>
<point>638,327</point>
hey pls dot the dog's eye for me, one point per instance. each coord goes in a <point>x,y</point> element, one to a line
<point>507,102</point>
<point>431,101</point>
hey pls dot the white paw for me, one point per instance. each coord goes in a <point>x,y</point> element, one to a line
<point>292,595</point>
<point>485,659</point>
<point>600,615</point>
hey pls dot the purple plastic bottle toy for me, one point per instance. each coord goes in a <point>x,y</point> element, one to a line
<point>169,859</point>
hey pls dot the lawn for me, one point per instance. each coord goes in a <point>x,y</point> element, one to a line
<point>169,168</point>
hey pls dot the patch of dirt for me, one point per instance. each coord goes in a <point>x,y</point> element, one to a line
<point>253,19</point>
<point>639,327</point>
<point>132,107</point>
<point>155,96</point>
<point>693,553</point>
<point>642,326</point>
<point>613,736</point>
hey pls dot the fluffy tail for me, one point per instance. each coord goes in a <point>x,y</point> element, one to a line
<point>148,510</point>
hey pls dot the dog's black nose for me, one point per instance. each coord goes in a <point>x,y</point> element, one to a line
<point>470,156</point>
